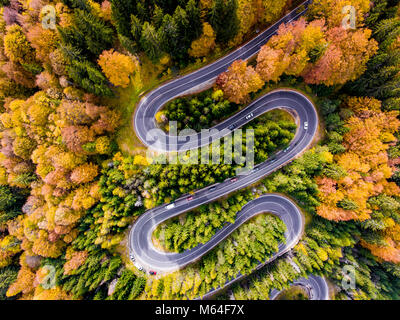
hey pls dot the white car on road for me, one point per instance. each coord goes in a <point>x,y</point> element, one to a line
<point>138,266</point>
<point>249,116</point>
<point>170,206</point>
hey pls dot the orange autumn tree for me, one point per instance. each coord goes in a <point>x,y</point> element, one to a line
<point>332,10</point>
<point>74,260</point>
<point>44,41</point>
<point>84,173</point>
<point>290,50</point>
<point>390,251</point>
<point>365,161</point>
<point>319,54</point>
<point>23,284</point>
<point>309,49</point>
<point>271,63</point>
<point>239,81</point>
<point>47,139</point>
<point>298,40</point>
<point>344,59</point>
<point>364,192</point>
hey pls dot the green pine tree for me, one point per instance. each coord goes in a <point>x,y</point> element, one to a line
<point>224,20</point>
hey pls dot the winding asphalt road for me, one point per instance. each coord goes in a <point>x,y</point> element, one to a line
<point>140,242</point>
<point>315,286</point>
<point>149,256</point>
<point>144,118</point>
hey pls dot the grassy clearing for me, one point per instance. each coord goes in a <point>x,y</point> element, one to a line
<point>126,100</point>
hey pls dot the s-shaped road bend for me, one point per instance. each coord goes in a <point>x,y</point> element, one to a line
<point>140,237</point>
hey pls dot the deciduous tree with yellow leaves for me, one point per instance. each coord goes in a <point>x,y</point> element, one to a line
<point>118,67</point>
<point>205,44</point>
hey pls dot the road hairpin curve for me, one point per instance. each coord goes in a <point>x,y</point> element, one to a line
<point>140,237</point>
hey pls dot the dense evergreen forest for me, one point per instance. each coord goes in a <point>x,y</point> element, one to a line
<point>73,176</point>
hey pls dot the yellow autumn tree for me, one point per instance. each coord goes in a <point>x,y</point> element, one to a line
<point>17,47</point>
<point>203,45</point>
<point>23,284</point>
<point>43,40</point>
<point>336,11</point>
<point>272,10</point>
<point>247,16</point>
<point>365,163</point>
<point>55,293</point>
<point>84,173</point>
<point>118,67</point>
<point>290,50</point>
